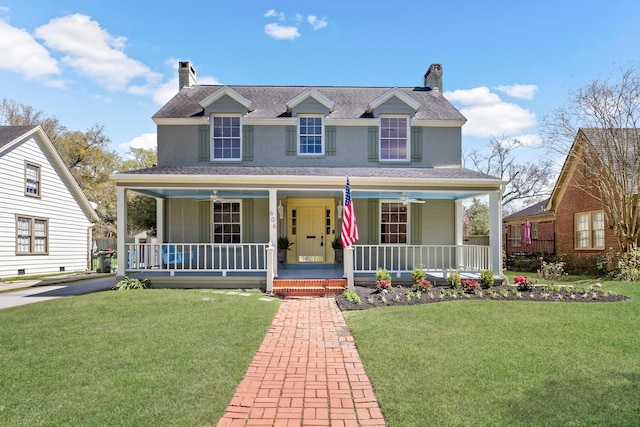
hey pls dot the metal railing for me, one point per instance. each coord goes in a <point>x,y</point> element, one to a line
<point>241,257</point>
<point>406,258</point>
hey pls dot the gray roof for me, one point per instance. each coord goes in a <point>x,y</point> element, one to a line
<point>9,133</point>
<point>390,172</point>
<point>536,209</point>
<point>270,101</point>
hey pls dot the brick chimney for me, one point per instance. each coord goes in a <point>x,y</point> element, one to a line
<point>186,75</point>
<point>433,77</point>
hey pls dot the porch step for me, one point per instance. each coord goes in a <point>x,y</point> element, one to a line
<point>298,288</point>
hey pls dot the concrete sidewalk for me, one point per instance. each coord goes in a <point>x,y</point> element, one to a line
<point>307,372</point>
<point>21,292</point>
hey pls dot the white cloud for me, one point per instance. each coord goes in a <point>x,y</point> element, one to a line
<point>93,52</point>
<point>530,140</point>
<point>146,141</point>
<point>281,32</point>
<point>22,54</point>
<point>488,115</point>
<point>519,91</point>
<point>4,9</point>
<point>316,23</point>
<point>271,13</point>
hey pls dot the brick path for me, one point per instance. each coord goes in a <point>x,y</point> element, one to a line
<point>307,372</point>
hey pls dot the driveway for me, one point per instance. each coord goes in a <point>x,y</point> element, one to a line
<point>56,287</point>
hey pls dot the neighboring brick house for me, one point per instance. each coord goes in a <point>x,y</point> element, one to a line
<point>582,233</point>
<point>542,232</point>
<point>241,166</point>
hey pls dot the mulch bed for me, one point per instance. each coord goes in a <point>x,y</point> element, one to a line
<point>370,297</point>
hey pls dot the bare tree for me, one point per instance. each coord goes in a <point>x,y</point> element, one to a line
<point>13,113</point>
<point>598,130</point>
<point>525,180</point>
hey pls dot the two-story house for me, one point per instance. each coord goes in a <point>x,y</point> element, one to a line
<point>45,219</point>
<point>240,166</point>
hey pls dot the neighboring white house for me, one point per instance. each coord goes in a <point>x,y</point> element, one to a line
<point>45,219</point>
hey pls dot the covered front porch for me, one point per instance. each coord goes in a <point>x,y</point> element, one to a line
<point>219,230</point>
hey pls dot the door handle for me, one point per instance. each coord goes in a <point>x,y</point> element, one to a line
<point>321,240</point>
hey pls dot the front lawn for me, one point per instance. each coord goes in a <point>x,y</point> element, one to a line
<point>504,362</point>
<point>138,358</point>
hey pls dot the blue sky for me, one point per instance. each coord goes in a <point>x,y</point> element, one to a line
<point>506,64</point>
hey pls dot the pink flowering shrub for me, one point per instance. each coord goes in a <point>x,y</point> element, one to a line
<point>469,285</point>
<point>523,283</point>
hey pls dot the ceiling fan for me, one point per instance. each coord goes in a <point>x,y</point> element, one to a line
<point>214,197</point>
<point>406,200</point>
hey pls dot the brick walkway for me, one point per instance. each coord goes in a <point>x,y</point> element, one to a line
<point>307,372</point>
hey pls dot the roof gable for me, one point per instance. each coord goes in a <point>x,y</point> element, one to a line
<point>227,91</point>
<point>11,136</point>
<point>313,94</point>
<point>390,94</point>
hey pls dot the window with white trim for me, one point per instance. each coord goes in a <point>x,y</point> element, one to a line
<point>32,235</point>
<point>31,179</point>
<point>394,223</point>
<point>310,135</point>
<point>394,138</point>
<point>516,234</point>
<point>226,222</point>
<point>589,230</point>
<point>226,138</point>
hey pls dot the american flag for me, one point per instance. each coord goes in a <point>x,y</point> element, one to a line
<point>349,226</point>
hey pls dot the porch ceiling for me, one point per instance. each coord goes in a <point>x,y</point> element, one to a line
<point>205,193</point>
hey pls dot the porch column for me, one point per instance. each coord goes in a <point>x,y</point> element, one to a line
<point>121,229</point>
<point>348,266</point>
<point>160,220</point>
<point>495,232</point>
<point>273,227</point>
<point>459,232</point>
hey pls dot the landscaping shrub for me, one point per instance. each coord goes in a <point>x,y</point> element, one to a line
<point>526,264</point>
<point>383,279</point>
<point>551,272</point>
<point>486,278</point>
<point>132,283</point>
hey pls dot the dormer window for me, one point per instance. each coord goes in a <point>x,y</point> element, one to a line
<point>394,138</point>
<point>226,140</point>
<point>310,135</point>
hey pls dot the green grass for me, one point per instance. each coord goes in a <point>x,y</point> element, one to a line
<point>144,357</point>
<point>576,280</point>
<point>515,363</point>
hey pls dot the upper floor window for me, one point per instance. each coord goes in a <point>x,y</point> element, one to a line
<point>589,228</point>
<point>226,222</point>
<point>32,179</point>
<point>394,138</point>
<point>226,141</point>
<point>310,135</point>
<point>394,223</point>
<point>32,235</point>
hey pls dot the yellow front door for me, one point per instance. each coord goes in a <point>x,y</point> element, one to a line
<point>311,244</point>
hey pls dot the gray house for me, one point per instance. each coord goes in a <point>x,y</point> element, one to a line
<point>240,166</point>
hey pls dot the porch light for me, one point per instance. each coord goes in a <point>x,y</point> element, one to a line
<point>280,210</point>
<point>340,209</point>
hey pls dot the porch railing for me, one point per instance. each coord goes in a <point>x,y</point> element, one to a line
<point>244,257</point>
<point>405,258</point>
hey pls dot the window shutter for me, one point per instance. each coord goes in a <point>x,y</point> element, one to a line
<point>373,217</point>
<point>416,143</point>
<point>247,142</point>
<point>416,224</point>
<point>204,143</point>
<point>291,133</point>
<point>330,140</point>
<point>204,218</point>
<point>247,220</point>
<point>373,144</point>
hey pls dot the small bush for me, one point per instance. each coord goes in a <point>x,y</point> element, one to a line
<point>132,283</point>
<point>529,265</point>
<point>383,279</point>
<point>486,278</point>
<point>420,282</point>
<point>352,296</point>
<point>454,279</point>
<point>523,283</point>
<point>551,272</point>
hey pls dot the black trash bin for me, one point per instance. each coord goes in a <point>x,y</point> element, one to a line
<point>104,262</point>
